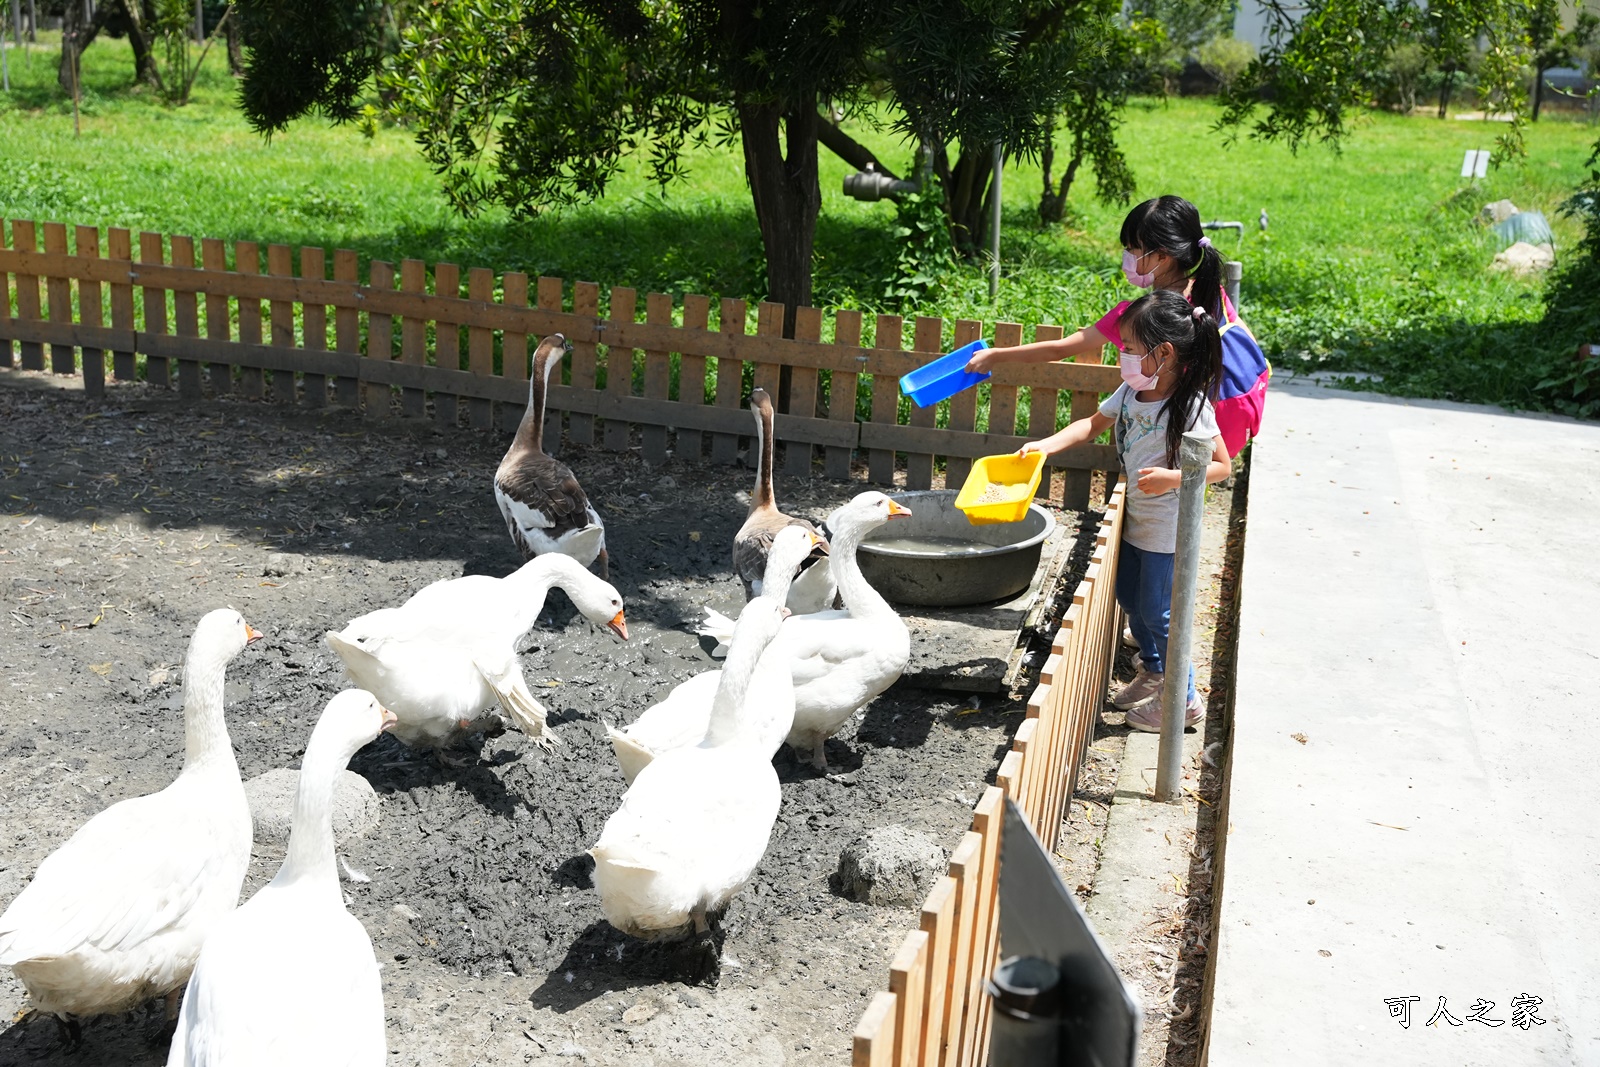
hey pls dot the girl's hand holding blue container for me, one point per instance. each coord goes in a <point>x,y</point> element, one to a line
<point>944,377</point>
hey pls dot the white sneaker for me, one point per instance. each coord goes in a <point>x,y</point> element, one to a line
<point>1145,684</point>
<point>1128,638</point>
<point>1147,717</point>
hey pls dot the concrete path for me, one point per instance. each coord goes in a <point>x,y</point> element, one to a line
<point>1415,792</point>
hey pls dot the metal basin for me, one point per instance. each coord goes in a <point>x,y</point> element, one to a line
<point>936,558</point>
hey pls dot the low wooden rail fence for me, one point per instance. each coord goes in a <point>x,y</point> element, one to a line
<point>226,325</point>
<point>935,1012</point>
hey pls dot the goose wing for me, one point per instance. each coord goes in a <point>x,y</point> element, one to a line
<point>134,871</point>
<point>541,493</point>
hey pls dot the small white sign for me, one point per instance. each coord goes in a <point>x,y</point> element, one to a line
<point>1476,163</point>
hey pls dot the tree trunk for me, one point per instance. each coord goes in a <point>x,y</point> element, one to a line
<point>1444,91</point>
<point>235,47</point>
<point>966,192</point>
<point>71,31</point>
<point>1052,201</point>
<point>1538,89</point>
<point>783,187</point>
<point>140,18</point>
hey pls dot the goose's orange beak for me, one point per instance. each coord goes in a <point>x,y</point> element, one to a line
<point>898,511</point>
<point>389,719</point>
<point>819,543</point>
<point>251,634</point>
<point>619,626</point>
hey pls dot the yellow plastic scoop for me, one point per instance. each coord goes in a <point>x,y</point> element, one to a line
<point>1000,488</point>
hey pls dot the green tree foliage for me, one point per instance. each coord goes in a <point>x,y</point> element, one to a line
<point>1553,45</point>
<point>1320,68</point>
<point>1173,31</point>
<point>535,103</point>
<point>307,57</point>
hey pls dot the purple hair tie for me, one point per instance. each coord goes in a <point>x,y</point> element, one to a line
<point>1205,242</point>
<point>1199,313</point>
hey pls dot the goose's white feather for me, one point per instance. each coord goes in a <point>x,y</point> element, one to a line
<point>118,913</point>
<point>445,658</point>
<point>290,977</point>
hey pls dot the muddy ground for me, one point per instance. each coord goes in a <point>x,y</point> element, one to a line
<point>125,519</point>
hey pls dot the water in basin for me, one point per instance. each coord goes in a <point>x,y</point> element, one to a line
<point>930,546</point>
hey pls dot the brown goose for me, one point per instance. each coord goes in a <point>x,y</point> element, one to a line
<point>545,508</point>
<point>814,589</point>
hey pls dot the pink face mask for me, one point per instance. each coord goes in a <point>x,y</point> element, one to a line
<point>1130,265</point>
<point>1131,368</point>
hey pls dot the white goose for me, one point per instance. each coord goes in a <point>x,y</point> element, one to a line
<point>290,977</point>
<point>814,589</point>
<point>545,508</point>
<point>696,822</point>
<point>448,655</point>
<point>840,660</point>
<point>117,915</point>
<point>685,715</point>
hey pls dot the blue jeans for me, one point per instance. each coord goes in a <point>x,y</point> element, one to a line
<point>1144,589</point>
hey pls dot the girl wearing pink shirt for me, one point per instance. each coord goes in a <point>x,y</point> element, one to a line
<point>1165,249</point>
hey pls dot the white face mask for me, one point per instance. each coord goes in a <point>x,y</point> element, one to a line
<point>1130,270</point>
<point>1131,368</point>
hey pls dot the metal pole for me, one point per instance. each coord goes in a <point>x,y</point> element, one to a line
<point>5,84</point>
<point>16,20</point>
<point>1195,456</point>
<point>994,227</point>
<point>199,22</point>
<point>1232,271</point>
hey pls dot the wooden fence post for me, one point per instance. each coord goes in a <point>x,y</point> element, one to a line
<point>885,399</point>
<point>619,364</point>
<point>23,239</point>
<point>1003,398</point>
<point>1083,404</point>
<point>214,257</point>
<point>927,338</point>
<point>872,1044</point>
<point>965,869</point>
<point>59,293</point>
<point>730,380</point>
<point>908,976</point>
<point>247,261</point>
<point>154,300</point>
<point>657,378</point>
<point>1042,405</point>
<point>963,409</point>
<point>842,386</point>
<point>586,302</point>
<point>90,312</point>
<point>280,384</point>
<point>480,348</point>
<point>314,326</point>
<point>119,248</point>
<point>514,356</point>
<point>380,340</point>
<point>803,383</point>
<point>447,344</point>
<point>413,337</point>
<point>938,922</point>
<point>186,319</point>
<point>347,328</point>
<point>692,375</point>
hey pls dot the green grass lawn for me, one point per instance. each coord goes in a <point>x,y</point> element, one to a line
<point>1372,261</point>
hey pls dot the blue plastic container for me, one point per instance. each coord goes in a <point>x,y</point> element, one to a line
<point>944,377</point>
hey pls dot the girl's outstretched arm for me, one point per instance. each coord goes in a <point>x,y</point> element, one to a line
<point>1087,339</point>
<point>1160,479</point>
<point>1074,433</point>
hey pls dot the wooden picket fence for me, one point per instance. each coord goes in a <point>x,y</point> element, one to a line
<point>226,325</point>
<point>935,1012</point>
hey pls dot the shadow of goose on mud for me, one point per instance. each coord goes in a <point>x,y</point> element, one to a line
<point>602,959</point>
<point>138,1038</point>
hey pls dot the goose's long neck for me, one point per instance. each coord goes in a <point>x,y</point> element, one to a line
<point>311,833</point>
<point>761,496</point>
<point>530,431</point>
<point>727,707</point>
<point>206,743</point>
<point>860,598</point>
<point>527,593</point>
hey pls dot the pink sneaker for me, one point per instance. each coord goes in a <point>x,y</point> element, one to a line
<point>1147,717</point>
<point>1145,684</point>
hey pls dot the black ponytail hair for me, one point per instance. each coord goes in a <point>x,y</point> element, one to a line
<point>1171,224</point>
<point>1164,317</point>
